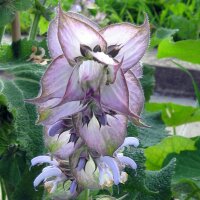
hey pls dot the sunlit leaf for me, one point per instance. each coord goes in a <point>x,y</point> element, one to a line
<point>187,50</point>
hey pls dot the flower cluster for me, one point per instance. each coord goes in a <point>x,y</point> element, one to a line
<point>88,93</point>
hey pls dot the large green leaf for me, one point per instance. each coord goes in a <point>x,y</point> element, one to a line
<point>174,114</point>
<point>188,165</point>
<point>9,7</point>
<point>152,135</point>
<point>160,183</point>
<point>155,155</point>
<point>144,184</point>
<point>187,50</point>
<point>20,138</point>
<point>186,190</point>
<point>19,82</point>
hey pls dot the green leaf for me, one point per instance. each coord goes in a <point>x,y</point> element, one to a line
<point>160,182</point>
<point>188,165</point>
<point>149,136</point>
<point>186,180</point>
<point>7,135</point>
<point>186,190</point>
<point>22,138</point>
<point>7,12</point>
<point>155,155</point>
<point>160,34</point>
<point>19,82</point>
<point>136,179</point>
<point>175,114</point>
<point>9,7</point>
<point>143,184</point>
<point>148,81</point>
<point>23,4</point>
<point>187,50</point>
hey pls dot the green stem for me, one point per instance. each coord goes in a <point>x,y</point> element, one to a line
<point>87,194</point>
<point>174,130</point>
<point>34,26</point>
<point>2,30</point>
<point>3,191</point>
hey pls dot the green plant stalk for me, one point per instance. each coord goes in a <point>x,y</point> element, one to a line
<point>34,26</point>
<point>3,191</point>
<point>87,194</point>
<point>194,83</point>
<point>2,30</point>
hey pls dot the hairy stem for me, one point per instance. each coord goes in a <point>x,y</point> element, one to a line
<point>2,30</point>
<point>16,31</point>
<point>34,26</point>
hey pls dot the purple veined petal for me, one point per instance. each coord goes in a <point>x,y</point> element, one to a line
<point>127,161</point>
<point>135,48</point>
<point>130,141</point>
<point>73,90</point>
<point>54,81</point>
<point>112,164</point>
<point>52,39</point>
<point>91,75</point>
<point>46,174</point>
<point>72,33</point>
<point>73,187</point>
<point>84,19</point>
<point>136,95</point>
<point>52,115</point>
<point>116,96</point>
<point>104,58</point>
<point>137,70</point>
<point>43,159</point>
<point>134,42</point>
<point>105,139</point>
<point>59,127</point>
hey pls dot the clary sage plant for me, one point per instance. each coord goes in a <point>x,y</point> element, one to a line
<point>88,93</point>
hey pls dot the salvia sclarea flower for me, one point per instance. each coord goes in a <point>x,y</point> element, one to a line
<point>89,92</point>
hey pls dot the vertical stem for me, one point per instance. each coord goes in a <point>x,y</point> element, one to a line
<point>34,26</point>
<point>16,31</point>
<point>3,191</point>
<point>174,130</point>
<point>87,194</point>
<point>2,30</point>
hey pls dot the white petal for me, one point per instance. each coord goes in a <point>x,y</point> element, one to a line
<point>43,159</point>
<point>127,161</point>
<point>130,141</point>
<point>46,174</point>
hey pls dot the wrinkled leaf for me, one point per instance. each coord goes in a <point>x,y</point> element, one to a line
<point>152,135</point>
<point>160,183</point>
